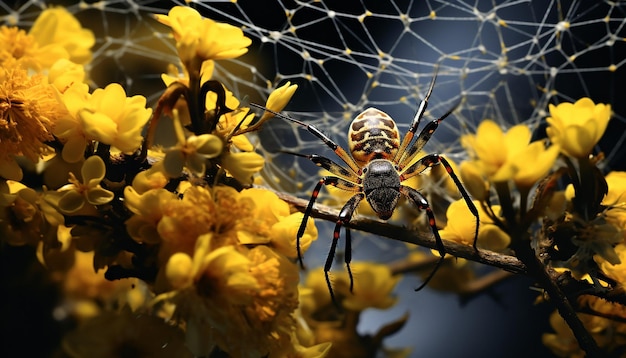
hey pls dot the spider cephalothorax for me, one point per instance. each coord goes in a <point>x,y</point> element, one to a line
<point>377,165</point>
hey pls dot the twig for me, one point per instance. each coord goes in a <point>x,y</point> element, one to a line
<point>384,229</point>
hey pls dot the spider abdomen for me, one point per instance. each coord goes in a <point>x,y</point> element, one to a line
<point>373,135</point>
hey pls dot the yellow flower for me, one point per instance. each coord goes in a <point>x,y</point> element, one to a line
<point>56,26</point>
<point>19,47</point>
<point>69,128</point>
<point>616,196</point>
<point>191,152</point>
<point>242,165</point>
<point>461,227</point>
<point>278,99</point>
<point>506,156</point>
<point>199,39</point>
<point>28,112</point>
<point>77,193</point>
<point>615,271</point>
<point>373,286</point>
<point>112,118</point>
<point>577,127</point>
<point>64,73</point>
<point>148,210</point>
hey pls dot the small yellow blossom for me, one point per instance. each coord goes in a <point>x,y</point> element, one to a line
<point>242,165</point>
<point>199,39</point>
<point>191,152</point>
<point>373,286</point>
<point>577,127</point>
<point>461,227</point>
<point>112,118</point>
<point>57,26</point>
<point>278,99</point>
<point>28,112</point>
<point>89,191</point>
<point>505,156</point>
<point>148,209</point>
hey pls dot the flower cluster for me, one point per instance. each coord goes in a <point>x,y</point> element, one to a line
<point>180,242</point>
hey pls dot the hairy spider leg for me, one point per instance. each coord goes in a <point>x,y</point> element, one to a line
<point>330,180</point>
<point>408,137</point>
<point>342,220</point>
<point>420,201</point>
<point>432,160</point>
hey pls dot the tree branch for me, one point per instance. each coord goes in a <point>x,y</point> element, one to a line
<point>384,229</point>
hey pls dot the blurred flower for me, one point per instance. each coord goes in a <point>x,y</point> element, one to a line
<point>28,112</point>
<point>373,286</point>
<point>64,74</point>
<point>242,165</point>
<point>616,271</point>
<point>56,26</point>
<point>199,39</point>
<point>16,46</point>
<point>608,333</point>
<point>577,127</point>
<point>461,227</point>
<point>76,194</point>
<point>506,156</point>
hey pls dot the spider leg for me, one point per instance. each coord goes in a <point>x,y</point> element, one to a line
<point>329,165</point>
<point>420,201</point>
<point>341,153</point>
<point>416,119</point>
<point>330,180</point>
<point>344,217</point>
<point>432,160</point>
<point>423,138</point>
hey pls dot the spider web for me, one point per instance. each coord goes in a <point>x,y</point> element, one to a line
<point>503,60</point>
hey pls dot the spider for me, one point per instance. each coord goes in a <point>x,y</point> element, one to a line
<point>377,165</point>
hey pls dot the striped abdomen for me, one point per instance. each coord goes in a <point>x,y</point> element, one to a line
<point>373,135</point>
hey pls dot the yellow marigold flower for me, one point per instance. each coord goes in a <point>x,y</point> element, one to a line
<point>461,227</point>
<point>16,45</point>
<point>57,26</point>
<point>373,286</point>
<point>77,193</point>
<point>199,39</point>
<point>577,127</point>
<point>506,156</point>
<point>28,112</point>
